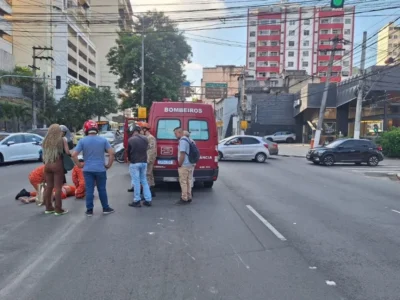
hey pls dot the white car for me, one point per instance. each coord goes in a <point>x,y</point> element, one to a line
<point>281,136</point>
<point>20,146</point>
<point>109,135</point>
<point>243,147</point>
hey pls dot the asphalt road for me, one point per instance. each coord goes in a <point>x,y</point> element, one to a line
<point>280,230</point>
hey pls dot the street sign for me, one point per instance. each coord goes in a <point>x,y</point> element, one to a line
<point>142,113</point>
<point>185,91</point>
<point>216,90</point>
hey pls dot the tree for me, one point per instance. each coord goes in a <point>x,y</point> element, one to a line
<point>166,51</point>
<point>103,102</point>
<point>7,113</point>
<point>21,113</point>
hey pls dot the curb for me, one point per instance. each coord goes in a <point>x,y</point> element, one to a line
<point>298,156</point>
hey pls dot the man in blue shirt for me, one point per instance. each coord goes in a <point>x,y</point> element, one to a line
<point>94,169</point>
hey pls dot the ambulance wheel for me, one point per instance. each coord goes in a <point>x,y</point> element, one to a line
<point>208,184</point>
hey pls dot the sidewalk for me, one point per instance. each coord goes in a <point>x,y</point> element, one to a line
<point>293,150</point>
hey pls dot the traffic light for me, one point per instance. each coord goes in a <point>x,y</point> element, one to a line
<point>58,82</point>
<point>337,3</point>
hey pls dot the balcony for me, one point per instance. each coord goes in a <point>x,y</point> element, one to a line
<point>5,6</point>
<point>329,36</point>
<point>269,27</point>
<point>268,69</point>
<point>5,25</point>
<point>331,26</point>
<point>325,68</point>
<point>269,58</point>
<point>269,37</point>
<point>269,48</point>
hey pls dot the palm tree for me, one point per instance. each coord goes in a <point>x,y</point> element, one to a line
<point>8,113</point>
<point>21,113</point>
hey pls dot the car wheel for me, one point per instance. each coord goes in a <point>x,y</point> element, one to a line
<point>220,155</point>
<point>1,159</point>
<point>328,160</point>
<point>289,140</point>
<point>373,161</point>
<point>260,157</point>
<point>208,184</point>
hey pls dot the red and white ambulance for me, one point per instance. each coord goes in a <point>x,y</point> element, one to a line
<point>199,120</point>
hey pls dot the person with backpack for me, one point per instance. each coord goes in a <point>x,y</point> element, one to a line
<point>188,156</point>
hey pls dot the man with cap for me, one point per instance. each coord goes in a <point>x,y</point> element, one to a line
<point>137,155</point>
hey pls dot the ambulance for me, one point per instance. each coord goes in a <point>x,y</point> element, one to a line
<point>199,120</point>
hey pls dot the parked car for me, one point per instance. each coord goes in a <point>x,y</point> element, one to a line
<point>39,131</point>
<point>243,147</point>
<point>272,147</point>
<point>281,136</point>
<point>20,146</point>
<point>348,151</point>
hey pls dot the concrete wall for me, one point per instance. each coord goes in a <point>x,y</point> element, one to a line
<point>7,62</point>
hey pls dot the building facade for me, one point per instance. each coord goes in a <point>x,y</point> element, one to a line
<point>289,37</point>
<point>6,37</point>
<point>388,43</point>
<point>221,74</point>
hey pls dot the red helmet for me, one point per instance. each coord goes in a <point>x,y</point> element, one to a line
<point>90,127</point>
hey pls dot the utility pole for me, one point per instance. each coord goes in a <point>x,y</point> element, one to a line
<point>44,98</point>
<point>142,96</point>
<point>242,104</point>
<point>34,68</point>
<point>357,122</point>
<point>336,40</point>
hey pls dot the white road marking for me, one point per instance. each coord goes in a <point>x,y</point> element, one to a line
<point>151,233</point>
<point>331,283</point>
<point>190,256</point>
<point>312,268</point>
<point>396,211</point>
<point>266,223</point>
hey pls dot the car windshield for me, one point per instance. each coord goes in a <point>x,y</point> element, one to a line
<point>107,134</point>
<point>3,136</point>
<point>334,144</point>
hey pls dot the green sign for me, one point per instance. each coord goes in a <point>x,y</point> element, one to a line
<point>337,3</point>
<point>216,85</point>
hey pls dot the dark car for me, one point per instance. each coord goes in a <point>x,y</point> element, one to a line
<point>347,151</point>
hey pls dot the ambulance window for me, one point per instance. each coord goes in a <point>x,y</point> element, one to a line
<point>165,129</point>
<point>198,130</point>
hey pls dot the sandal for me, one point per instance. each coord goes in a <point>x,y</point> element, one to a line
<point>64,212</point>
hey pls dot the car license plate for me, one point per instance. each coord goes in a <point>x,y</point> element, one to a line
<point>170,179</point>
<point>165,162</point>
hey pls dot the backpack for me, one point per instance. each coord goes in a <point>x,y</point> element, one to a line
<point>194,153</point>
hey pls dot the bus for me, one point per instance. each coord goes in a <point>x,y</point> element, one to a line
<point>107,126</point>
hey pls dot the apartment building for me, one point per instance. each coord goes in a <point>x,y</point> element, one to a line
<point>289,37</point>
<point>388,44</point>
<point>6,36</point>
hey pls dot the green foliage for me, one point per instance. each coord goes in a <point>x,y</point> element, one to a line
<point>390,142</point>
<point>81,103</point>
<point>166,51</point>
<point>10,111</point>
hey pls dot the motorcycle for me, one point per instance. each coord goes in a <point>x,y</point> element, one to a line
<point>119,150</point>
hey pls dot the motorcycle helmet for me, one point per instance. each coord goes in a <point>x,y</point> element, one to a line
<point>90,127</point>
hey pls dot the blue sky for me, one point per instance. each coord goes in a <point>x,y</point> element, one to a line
<point>209,55</point>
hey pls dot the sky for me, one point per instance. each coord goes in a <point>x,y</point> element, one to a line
<point>231,48</point>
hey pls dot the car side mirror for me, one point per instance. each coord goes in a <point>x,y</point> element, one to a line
<point>10,143</point>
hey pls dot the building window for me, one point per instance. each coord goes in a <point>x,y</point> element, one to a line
<point>291,54</point>
<point>307,22</point>
<point>390,37</point>
<point>252,44</point>
<point>323,63</point>
<point>324,31</point>
<point>291,43</point>
<point>262,74</point>
<point>262,43</point>
<point>334,74</point>
<point>273,21</point>
<point>252,54</point>
<point>325,21</point>
<point>273,74</point>
<point>274,43</point>
<point>305,53</point>
<point>253,23</point>
<point>273,64</point>
<point>337,20</point>
<point>292,22</point>
<point>346,63</point>
<point>345,73</point>
<point>322,74</point>
<point>337,31</point>
<point>347,21</point>
<point>290,64</point>
<point>324,42</point>
<point>306,43</point>
<point>264,22</point>
<point>306,32</point>
<point>262,53</point>
<point>251,65</point>
<point>252,33</point>
<point>263,32</point>
<point>262,64</point>
<point>305,64</point>
<point>274,32</point>
<point>291,32</point>
<point>274,54</point>
<point>395,36</point>
<point>347,31</point>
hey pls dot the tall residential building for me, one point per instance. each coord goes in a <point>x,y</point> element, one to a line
<point>6,36</point>
<point>63,26</point>
<point>388,43</point>
<point>288,37</point>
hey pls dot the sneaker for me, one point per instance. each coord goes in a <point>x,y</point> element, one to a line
<point>147,203</point>
<point>130,190</point>
<point>108,211</point>
<point>89,213</point>
<point>49,212</point>
<point>63,212</point>
<point>23,193</point>
<point>135,204</point>
<point>181,202</point>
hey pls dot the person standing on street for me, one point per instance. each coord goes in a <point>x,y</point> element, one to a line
<point>94,168</point>
<point>185,167</point>
<point>151,157</point>
<point>187,134</point>
<point>137,155</point>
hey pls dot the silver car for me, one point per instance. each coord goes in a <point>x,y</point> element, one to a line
<point>281,136</point>
<point>243,147</point>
